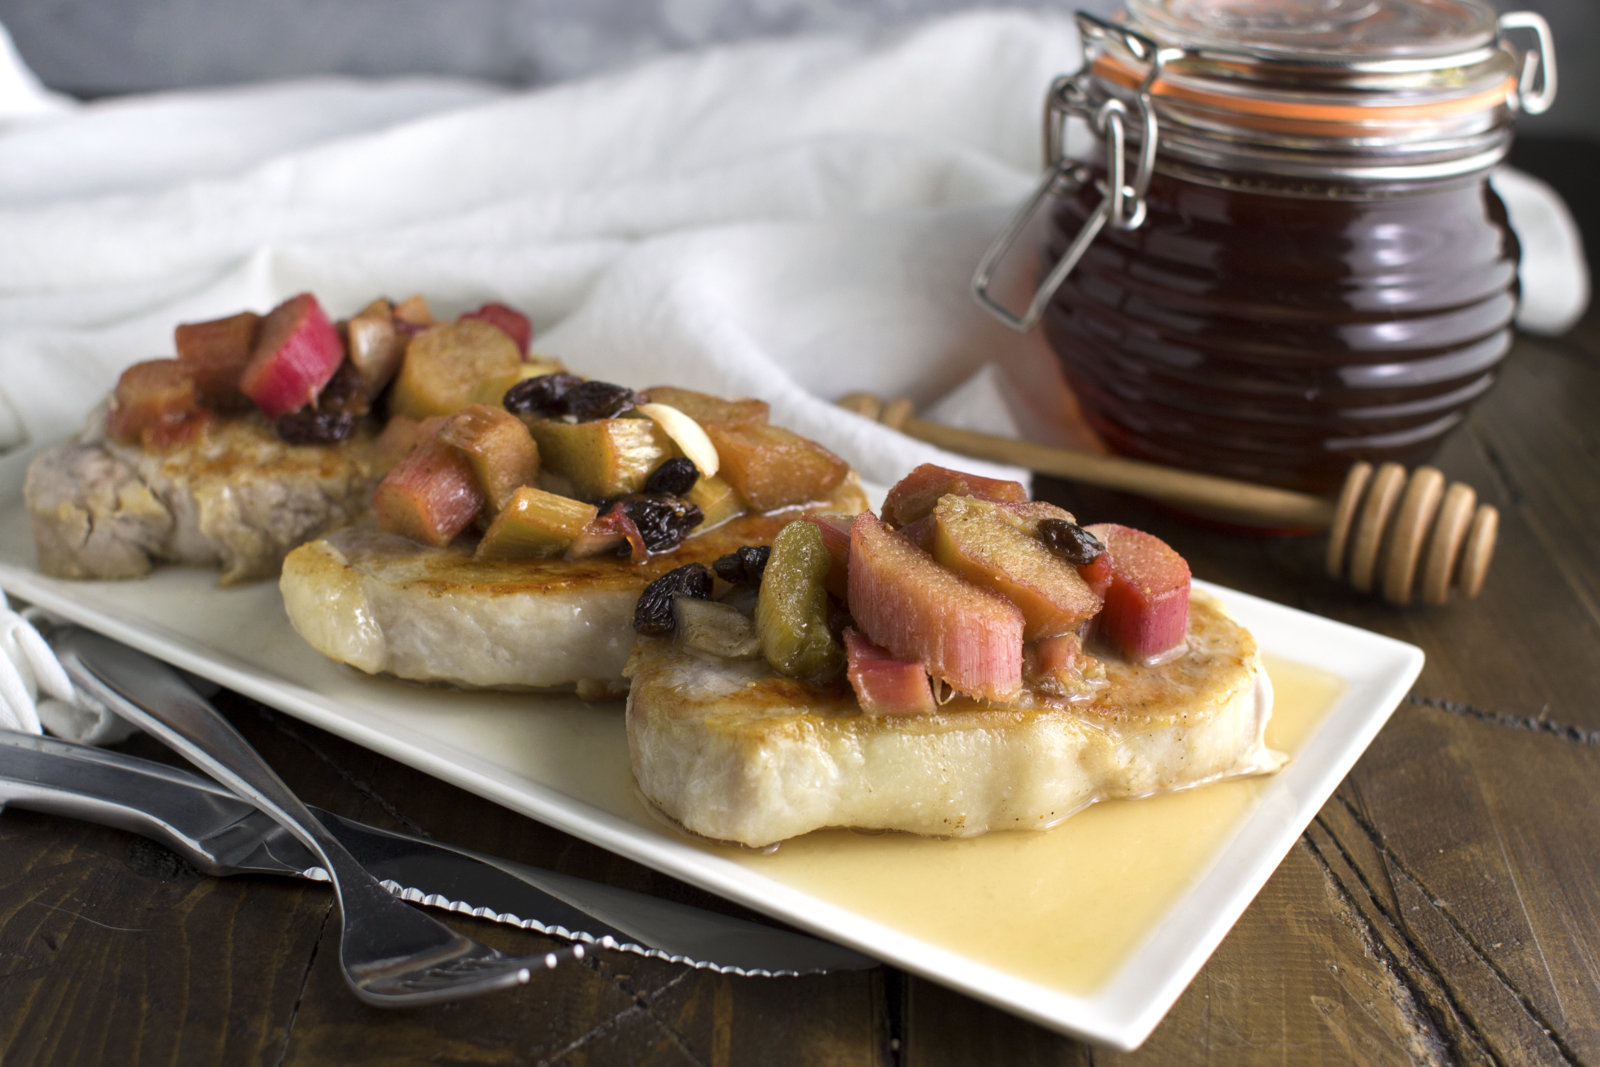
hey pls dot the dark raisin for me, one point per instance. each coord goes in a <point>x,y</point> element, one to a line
<point>332,417</point>
<point>744,565</point>
<point>598,400</point>
<point>653,614</point>
<point>541,396</point>
<point>675,476</point>
<point>663,521</point>
<point>1070,541</point>
<point>309,426</point>
<point>345,392</point>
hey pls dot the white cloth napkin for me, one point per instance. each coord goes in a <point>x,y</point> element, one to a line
<point>789,219</point>
<point>35,692</point>
<point>792,219</point>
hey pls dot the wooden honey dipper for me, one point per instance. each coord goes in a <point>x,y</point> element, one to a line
<point>1414,533</point>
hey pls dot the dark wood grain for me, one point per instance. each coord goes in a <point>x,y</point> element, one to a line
<point>1443,907</point>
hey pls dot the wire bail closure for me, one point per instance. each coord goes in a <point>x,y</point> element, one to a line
<point>1122,202</point>
<point>1295,105</point>
<point>1536,83</point>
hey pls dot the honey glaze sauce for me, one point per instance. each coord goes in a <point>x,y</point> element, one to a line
<point>1063,907</point>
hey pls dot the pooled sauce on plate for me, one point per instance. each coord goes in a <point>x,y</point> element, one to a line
<point>1061,907</point>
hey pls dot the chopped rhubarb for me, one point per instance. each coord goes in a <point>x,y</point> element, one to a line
<point>885,685</point>
<point>155,404</point>
<point>836,539</point>
<point>1097,572</point>
<point>792,607</point>
<point>512,322</point>
<point>716,500</point>
<point>706,409</point>
<point>535,524</point>
<point>499,447</point>
<point>296,353</point>
<point>375,348</point>
<point>1059,667</point>
<point>965,635</point>
<point>413,313</point>
<point>398,437</point>
<point>170,435</point>
<point>1056,656</point>
<point>920,533</point>
<point>995,545</point>
<point>600,457</point>
<point>429,496</point>
<point>1147,603</point>
<point>915,495</point>
<point>452,364</point>
<point>610,534</point>
<point>772,467</point>
<point>216,353</point>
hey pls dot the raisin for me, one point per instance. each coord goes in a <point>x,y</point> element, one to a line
<point>675,476</point>
<point>541,396</point>
<point>598,400</point>
<point>552,396</point>
<point>653,614</point>
<point>345,392</point>
<point>309,426</point>
<point>332,417</point>
<point>1070,542</point>
<point>744,565</point>
<point>663,521</point>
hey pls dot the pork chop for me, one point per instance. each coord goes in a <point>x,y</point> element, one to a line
<point>236,496</point>
<point>385,604</point>
<point>737,753</point>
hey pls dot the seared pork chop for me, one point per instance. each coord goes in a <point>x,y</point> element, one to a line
<point>389,605</point>
<point>735,752</point>
<point>235,497</point>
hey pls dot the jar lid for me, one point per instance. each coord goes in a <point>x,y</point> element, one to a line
<point>1351,33</point>
<point>1348,89</point>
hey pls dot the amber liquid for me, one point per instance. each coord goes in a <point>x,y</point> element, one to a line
<point>1062,907</point>
<point>1278,338</point>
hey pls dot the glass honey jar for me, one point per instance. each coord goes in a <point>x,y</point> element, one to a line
<point>1280,253</point>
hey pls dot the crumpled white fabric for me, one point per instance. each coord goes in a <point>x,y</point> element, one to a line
<point>36,694</point>
<point>793,218</point>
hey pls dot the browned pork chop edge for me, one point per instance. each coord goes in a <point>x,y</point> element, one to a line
<point>236,498</point>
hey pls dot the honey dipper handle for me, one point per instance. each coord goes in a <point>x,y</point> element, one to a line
<point>1222,498</point>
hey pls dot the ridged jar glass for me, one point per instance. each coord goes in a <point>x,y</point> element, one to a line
<point>1282,253</point>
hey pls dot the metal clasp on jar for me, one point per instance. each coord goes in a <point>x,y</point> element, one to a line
<point>1536,83</point>
<point>1122,201</point>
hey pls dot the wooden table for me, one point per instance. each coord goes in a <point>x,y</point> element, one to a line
<point>1444,906</point>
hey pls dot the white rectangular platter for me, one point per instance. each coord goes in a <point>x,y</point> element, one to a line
<point>1092,929</point>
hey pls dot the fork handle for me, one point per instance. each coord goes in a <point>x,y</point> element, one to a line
<point>152,695</point>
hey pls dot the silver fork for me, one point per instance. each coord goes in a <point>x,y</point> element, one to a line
<point>393,955</point>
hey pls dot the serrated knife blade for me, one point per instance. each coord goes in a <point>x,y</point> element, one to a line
<point>222,835</point>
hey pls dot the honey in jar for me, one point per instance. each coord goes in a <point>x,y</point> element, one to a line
<point>1281,253</point>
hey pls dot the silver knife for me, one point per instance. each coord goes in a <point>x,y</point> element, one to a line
<point>222,835</point>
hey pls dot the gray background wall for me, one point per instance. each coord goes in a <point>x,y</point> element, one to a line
<point>98,47</point>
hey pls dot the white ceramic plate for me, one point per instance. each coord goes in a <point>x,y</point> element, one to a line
<point>1093,928</point>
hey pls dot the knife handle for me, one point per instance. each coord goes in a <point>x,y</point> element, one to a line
<point>96,785</point>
